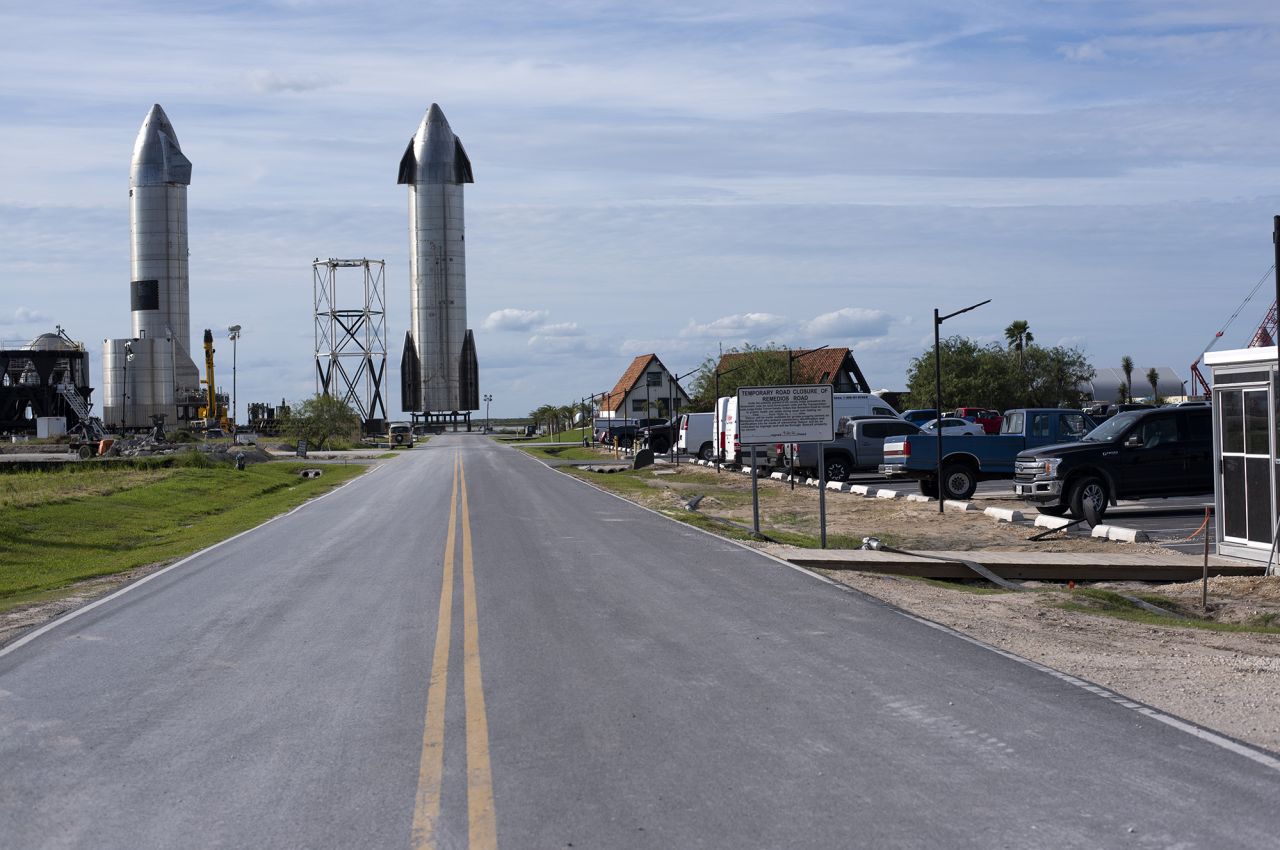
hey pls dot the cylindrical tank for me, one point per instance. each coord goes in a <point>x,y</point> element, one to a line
<point>133,389</point>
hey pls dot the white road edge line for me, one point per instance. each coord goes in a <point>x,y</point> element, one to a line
<point>1221,741</point>
<point>85,609</point>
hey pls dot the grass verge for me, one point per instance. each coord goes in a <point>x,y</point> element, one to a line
<point>1097,601</point>
<point>82,521</point>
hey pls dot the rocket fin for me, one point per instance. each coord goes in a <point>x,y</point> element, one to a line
<point>462,174</point>
<point>410,383</point>
<point>468,375</point>
<point>408,165</point>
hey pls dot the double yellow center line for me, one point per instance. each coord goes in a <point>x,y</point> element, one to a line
<point>480,816</point>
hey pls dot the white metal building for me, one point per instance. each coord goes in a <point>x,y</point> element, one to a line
<point>1245,441</point>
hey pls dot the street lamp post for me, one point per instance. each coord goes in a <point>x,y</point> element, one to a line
<point>233,333</point>
<point>128,355</point>
<point>937,388</point>
<point>716,417</point>
<point>487,398</point>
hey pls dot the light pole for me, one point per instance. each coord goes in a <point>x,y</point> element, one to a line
<point>716,417</point>
<point>233,333</point>
<point>487,398</point>
<point>128,355</point>
<point>937,387</point>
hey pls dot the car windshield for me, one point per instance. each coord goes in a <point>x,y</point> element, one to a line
<point>1113,427</point>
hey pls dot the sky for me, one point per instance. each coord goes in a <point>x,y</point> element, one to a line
<point>674,178</point>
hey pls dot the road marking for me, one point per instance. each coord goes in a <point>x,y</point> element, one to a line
<point>426,812</point>
<point>480,812</point>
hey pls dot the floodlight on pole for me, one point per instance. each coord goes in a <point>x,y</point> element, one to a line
<point>233,333</point>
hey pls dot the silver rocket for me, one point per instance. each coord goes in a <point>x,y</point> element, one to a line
<point>438,371</point>
<point>151,371</point>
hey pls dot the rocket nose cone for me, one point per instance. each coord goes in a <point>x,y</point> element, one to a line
<point>435,115</point>
<point>157,155</point>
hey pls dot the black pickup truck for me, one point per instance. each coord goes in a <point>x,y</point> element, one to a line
<point>1138,454</point>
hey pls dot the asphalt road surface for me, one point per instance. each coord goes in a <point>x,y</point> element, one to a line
<point>597,676</point>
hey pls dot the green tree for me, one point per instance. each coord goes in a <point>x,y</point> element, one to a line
<point>757,367</point>
<point>1153,378</point>
<point>1126,366</point>
<point>985,376</point>
<point>1018,336</point>
<point>319,419</point>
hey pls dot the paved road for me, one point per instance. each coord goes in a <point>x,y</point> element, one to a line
<point>597,676</point>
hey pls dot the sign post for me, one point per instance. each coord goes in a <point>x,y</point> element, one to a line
<point>802,413</point>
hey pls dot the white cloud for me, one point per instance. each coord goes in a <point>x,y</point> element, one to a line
<point>560,329</point>
<point>271,82</point>
<point>510,319</point>
<point>739,325</point>
<point>26,315</point>
<point>849,321</point>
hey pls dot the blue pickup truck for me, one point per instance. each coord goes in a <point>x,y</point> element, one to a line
<point>966,460</point>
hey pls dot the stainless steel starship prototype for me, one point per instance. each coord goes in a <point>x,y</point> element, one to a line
<point>152,370</point>
<point>438,371</point>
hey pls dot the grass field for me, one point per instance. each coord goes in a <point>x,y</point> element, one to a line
<point>86,520</point>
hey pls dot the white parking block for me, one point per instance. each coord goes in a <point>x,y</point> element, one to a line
<point>917,497</point>
<point>887,494</point>
<point>838,486</point>
<point>1004,514</point>
<point>957,505</point>
<point>779,476</point>
<point>1100,531</point>
<point>860,489</point>
<point>1046,521</point>
<point>1127,535</point>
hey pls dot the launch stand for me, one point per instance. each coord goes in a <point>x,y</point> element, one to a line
<point>438,422</point>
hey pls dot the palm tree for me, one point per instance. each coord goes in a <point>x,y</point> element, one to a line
<point>1018,335</point>
<point>1153,378</point>
<point>1126,366</point>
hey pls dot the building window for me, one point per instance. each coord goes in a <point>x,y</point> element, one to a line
<point>637,405</point>
<point>653,379</point>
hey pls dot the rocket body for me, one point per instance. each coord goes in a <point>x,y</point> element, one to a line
<point>438,369</point>
<point>160,284</point>
<point>151,372</point>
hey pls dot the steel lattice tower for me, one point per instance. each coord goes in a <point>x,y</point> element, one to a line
<point>351,341</point>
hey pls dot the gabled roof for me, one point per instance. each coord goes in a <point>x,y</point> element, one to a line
<point>814,367</point>
<point>631,379</point>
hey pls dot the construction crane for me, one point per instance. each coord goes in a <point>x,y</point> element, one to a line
<point>213,414</point>
<point>1264,335</point>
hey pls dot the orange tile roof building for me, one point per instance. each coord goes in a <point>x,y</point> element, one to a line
<point>834,366</point>
<point>646,390</point>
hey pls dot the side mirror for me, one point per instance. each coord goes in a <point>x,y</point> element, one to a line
<point>1133,441</point>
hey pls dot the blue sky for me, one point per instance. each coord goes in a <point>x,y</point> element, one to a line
<point>668,177</point>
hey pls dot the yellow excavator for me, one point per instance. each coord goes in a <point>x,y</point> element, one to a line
<point>212,413</point>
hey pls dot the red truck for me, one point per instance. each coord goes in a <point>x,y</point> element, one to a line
<point>988,419</point>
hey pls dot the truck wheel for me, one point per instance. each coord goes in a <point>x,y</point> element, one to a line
<point>837,468</point>
<point>85,452</point>
<point>660,446</point>
<point>1088,489</point>
<point>1052,510</point>
<point>929,487</point>
<point>707,452</point>
<point>958,481</point>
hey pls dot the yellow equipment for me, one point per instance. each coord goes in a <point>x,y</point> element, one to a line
<point>213,414</point>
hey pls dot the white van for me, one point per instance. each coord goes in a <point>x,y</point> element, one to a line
<point>722,409</point>
<point>859,406</point>
<point>697,435</point>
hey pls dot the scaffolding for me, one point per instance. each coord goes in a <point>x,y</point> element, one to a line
<point>350,340</point>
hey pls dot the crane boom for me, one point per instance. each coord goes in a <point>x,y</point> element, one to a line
<point>1265,331</point>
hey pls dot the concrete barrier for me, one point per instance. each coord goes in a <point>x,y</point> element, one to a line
<point>957,505</point>
<point>779,476</point>
<point>1100,531</point>
<point>1004,514</point>
<point>860,489</point>
<point>838,486</point>
<point>1127,535</point>
<point>887,494</point>
<point>918,497</point>
<point>1046,521</point>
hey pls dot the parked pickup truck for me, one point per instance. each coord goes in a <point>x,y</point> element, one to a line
<point>966,460</point>
<point>1137,454</point>
<point>859,446</point>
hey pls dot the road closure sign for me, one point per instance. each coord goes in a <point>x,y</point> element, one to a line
<point>791,414</point>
